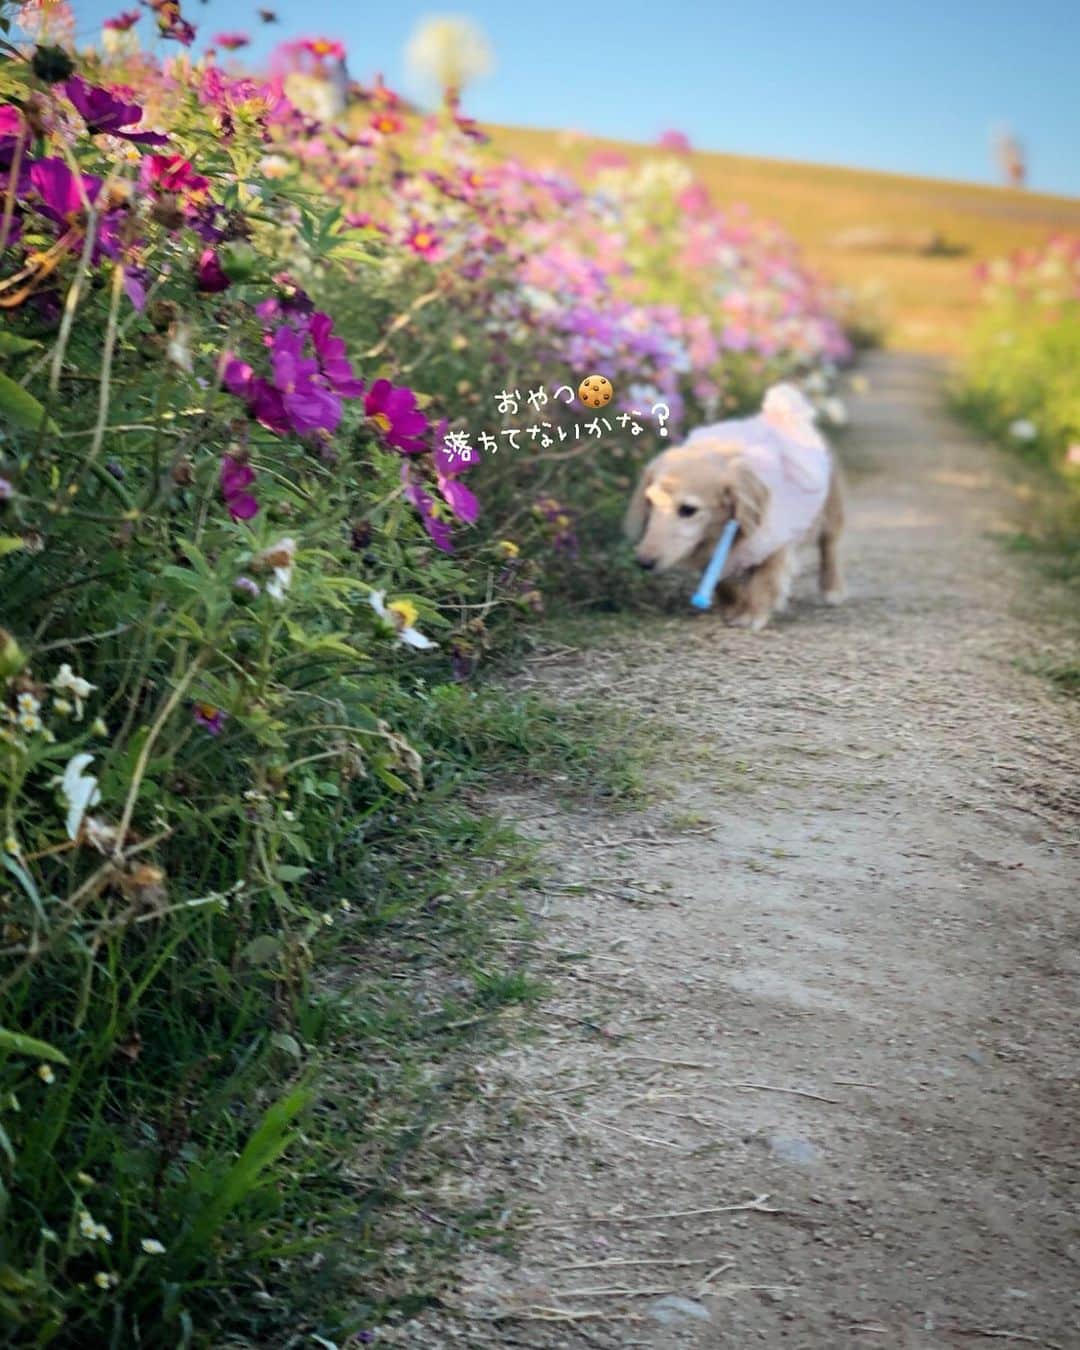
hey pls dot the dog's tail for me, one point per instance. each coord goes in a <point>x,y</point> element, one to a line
<point>790,411</point>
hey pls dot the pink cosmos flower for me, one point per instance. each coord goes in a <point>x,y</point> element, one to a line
<point>123,21</point>
<point>424,242</point>
<point>173,173</point>
<point>676,141</point>
<point>386,123</point>
<point>395,413</point>
<point>231,42</point>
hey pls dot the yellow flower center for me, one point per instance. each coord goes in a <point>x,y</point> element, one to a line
<point>405,613</point>
<point>422,240</point>
<point>382,422</point>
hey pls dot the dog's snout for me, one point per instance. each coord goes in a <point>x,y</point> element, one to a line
<point>647,563</point>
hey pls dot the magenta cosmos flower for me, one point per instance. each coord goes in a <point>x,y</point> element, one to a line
<point>209,278</point>
<point>333,363</point>
<point>394,412</point>
<point>231,42</point>
<point>211,719</point>
<point>424,242</point>
<point>236,478</point>
<point>309,405</point>
<point>105,113</point>
<point>438,530</point>
<point>448,469</point>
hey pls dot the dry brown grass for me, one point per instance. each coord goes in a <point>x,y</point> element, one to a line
<point>928,299</point>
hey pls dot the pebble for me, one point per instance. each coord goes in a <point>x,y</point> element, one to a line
<point>793,1150</point>
<point>674,1308</point>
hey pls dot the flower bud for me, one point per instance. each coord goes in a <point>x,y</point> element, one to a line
<point>52,64</point>
<point>12,657</point>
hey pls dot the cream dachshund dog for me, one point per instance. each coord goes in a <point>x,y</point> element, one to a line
<point>775,475</point>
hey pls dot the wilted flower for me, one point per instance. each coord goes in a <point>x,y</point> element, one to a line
<point>402,614</point>
<point>279,559</point>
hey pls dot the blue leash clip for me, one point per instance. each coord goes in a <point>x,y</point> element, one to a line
<point>703,596</point>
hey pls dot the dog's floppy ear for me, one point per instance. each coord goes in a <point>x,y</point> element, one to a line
<point>637,513</point>
<point>746,498</point>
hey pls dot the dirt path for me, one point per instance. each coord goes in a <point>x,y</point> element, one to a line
<point>835,966</point>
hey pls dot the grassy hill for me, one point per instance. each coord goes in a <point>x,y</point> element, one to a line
<point>910,243</point>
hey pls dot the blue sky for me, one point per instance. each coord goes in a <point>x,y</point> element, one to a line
<point>913,86</point>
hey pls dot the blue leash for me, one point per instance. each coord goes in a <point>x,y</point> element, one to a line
<point>703,596</point>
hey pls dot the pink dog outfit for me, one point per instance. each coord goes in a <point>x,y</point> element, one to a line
<point>783,447</point>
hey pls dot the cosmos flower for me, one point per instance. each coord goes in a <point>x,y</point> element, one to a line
<point>79,791</point>
<point>308,405</point>
<point>235,478</point>
<point>66,681</point>
<point>231,42</point>
<point>123,21</point>
<point>448,469</point>
<point>104,113</point>
<point>437,529</point>
<point>394,412</point>
<point>424,242</point>
<point>386,123</point>
<point>333,363</point>
<point>402,614</point>
<point>209,278</point>
<point>211,719</point>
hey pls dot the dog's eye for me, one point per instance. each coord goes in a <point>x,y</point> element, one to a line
<point>687,510</point>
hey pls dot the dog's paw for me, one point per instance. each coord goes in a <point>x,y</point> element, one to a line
<point>755,622</point>
<point>836,595</point>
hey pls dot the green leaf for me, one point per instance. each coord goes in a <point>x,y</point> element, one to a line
<point>260,950</point>
<point>10,345</point>
<point>9,543</point>
<point>18,1044</point>
<point>269,1141</point>
<point>286,872</point>
<point>22,409</point>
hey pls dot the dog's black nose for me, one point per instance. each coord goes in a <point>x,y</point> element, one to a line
<point>647,563</point>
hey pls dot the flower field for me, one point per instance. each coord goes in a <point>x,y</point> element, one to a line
<point>286,455</point>
<point>1019,383</point>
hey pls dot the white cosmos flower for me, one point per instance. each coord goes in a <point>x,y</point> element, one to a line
<point>80,690</point>
<point>1023,429</point>
<point>402,614</point>
<point>79,790</point>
